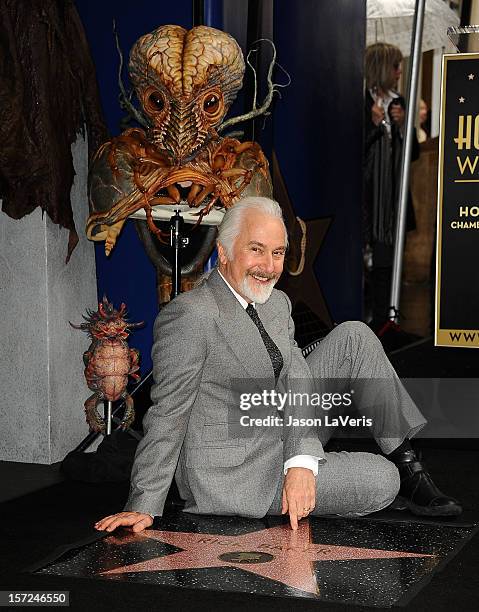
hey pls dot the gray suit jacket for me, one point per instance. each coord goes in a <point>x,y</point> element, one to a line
<point>202,340</point>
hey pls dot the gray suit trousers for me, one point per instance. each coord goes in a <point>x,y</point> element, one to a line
<point>352,484</point>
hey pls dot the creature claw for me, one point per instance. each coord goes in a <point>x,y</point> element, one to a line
<point>109,243</point>
<point>149,220</point>
<point>202,195</point>
<point>193,192</point>
<point>174,193</point>
<point>93,419</point>
<point>204,211</point>
<point>129,415</point>
<point>112,235</point>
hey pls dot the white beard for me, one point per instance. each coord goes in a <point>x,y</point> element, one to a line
<point>256,294</point>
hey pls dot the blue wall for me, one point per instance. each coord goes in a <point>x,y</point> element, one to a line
<point>318,134</point>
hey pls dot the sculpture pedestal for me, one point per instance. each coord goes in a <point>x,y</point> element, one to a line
<point>41,367</point>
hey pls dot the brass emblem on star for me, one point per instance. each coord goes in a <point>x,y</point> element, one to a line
<point>246,557</point>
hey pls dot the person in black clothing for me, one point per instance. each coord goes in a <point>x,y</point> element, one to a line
<point>384,125</point>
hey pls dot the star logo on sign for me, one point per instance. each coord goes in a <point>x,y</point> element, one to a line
<point>277,553</point>
<point>462,100</point>
<point>470,76</point>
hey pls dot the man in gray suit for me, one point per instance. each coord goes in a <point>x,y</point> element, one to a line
<point>233,326</point>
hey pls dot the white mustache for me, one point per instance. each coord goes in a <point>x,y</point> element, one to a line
<point>264,275</point>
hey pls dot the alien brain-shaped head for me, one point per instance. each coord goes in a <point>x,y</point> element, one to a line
<point>185,81</point>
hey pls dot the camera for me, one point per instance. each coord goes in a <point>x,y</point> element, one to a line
<point>399,101</point>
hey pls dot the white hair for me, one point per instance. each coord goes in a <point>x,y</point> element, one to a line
<point>229,229</point>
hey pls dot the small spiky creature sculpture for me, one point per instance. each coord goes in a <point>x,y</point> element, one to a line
<point>109,361</point>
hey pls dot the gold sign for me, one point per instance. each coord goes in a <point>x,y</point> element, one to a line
<point>457,256</point>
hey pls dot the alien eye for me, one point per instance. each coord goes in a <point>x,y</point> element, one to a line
<point>156,102</point>
<point>211,104</point>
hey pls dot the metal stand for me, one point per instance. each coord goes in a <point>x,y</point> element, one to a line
<point>107,413</point>
<point>177,242</point>
<point>406,161</point>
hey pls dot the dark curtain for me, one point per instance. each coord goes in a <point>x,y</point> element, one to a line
<point>48,94</point>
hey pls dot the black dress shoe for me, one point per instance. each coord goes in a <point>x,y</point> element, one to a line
<point>418,493</point>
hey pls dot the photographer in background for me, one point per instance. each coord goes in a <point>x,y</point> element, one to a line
<point>384,124</point>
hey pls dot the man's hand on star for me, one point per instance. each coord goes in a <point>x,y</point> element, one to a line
<point>136,520</point>
<point>299,494</point>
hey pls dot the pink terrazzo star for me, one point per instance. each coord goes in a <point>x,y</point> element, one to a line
<point>277,553</point>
